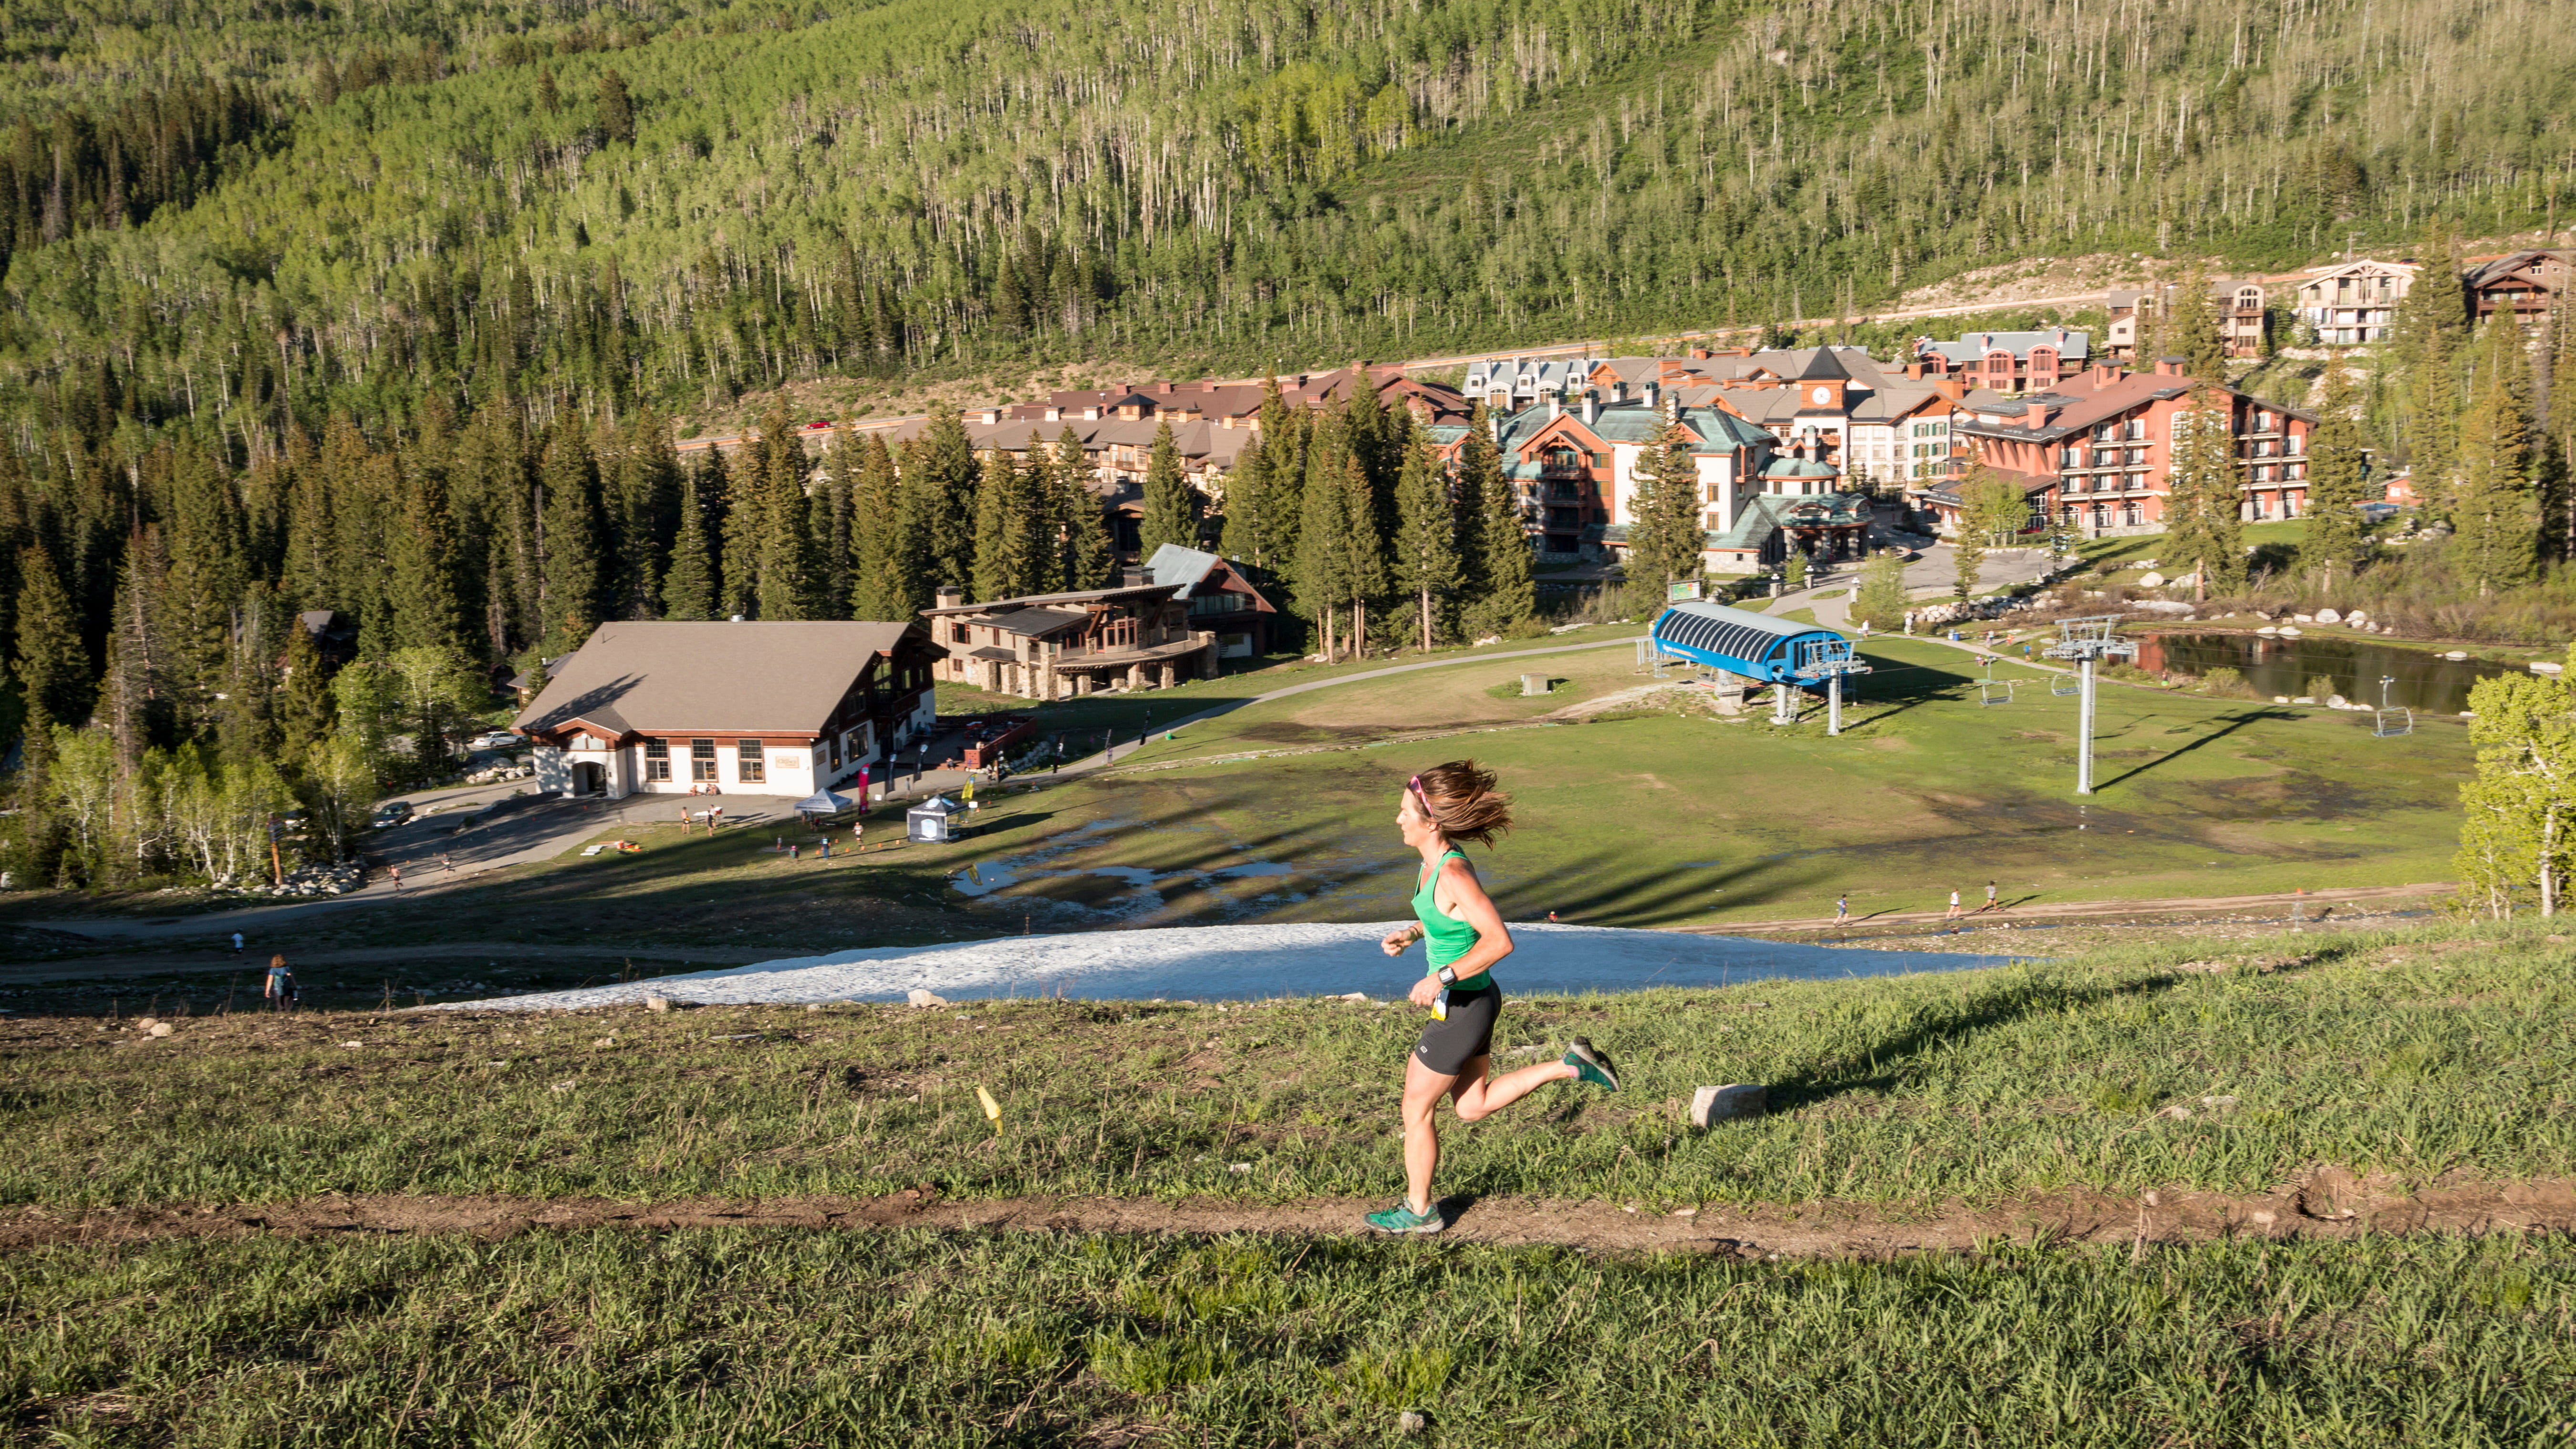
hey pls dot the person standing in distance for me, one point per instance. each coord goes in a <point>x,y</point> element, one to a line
<point>1440,807</point>
<point>280,990</point>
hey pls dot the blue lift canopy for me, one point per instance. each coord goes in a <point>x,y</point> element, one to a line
<point>1756,646</point>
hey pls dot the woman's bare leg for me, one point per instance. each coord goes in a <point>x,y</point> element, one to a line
<point>1423,1089</point>
<point>1476,1096</point>
<point>1483,1096</point>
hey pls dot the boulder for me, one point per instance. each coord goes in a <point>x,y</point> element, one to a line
<point>657,1003</point>
<point>1710,1105</point>
<point>2151,580</point>
<point>2289,631</point>
<point>2303,618</point>
<point>2357,619</point>
<point>2328,616</point>
<point>918,997</point>
<point>158,1028</point>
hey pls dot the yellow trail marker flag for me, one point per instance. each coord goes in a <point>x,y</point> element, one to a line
<point>992,1109</point>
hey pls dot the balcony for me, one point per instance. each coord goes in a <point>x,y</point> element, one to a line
<point>1553,469</point>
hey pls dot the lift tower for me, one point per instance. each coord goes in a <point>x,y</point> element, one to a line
<point>2088,641</point>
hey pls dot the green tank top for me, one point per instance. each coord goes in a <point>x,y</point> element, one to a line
<point>1446,938</point>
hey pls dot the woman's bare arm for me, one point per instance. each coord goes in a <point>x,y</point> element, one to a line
<point>1466,896</point>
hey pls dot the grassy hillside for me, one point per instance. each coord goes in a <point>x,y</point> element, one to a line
<point>919,186</point>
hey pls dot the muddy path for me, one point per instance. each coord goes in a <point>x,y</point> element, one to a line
<point>2329,1203</point>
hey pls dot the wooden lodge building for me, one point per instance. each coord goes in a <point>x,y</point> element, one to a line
<point>762,708</point>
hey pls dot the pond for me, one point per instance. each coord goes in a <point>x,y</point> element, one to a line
<point>2273,665</point>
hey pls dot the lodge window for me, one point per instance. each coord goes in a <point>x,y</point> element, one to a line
<point>956,633</point>
<point>702,760</point>
<point>657,759</point>
<point>748,762</point>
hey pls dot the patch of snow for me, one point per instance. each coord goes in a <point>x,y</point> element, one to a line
<point>1264,960</point>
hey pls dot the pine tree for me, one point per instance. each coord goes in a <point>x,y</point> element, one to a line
<point>2193,332</point>
<point>1247,494</point>
<point>1666,543</point>
<point>786,537</point>
<point>689,587</point>
<point>1039,510</point>
<point>304,707</point>
<point>1091,555</point>
<point>423,584</point>
<point>572,569</point>
<point>1171,504</point>
<point>2336,540</point>
<point>2431,324</point>
<point>880,587</point>
<point>2203,505</point>
<point>1967,562</point>
<point>1501,567</point>
<point>738,532</point>
<point>1426,538</point>
<point>1283,432</point>
<point>2494,515</point>
<point>248,730</point>
<point>1363,548</point>
<point>993,565</point>
<point>643,515</point>
<point>1323,568</point>
<point>939,496</point>
<point>832,519</point>
<point>616,110</point>
<point>53,669</point>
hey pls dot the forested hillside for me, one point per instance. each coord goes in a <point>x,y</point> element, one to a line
<point>929,185</point>
<point>383,310</point>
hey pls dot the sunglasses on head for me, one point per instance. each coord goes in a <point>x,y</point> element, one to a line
<point>1415,785</point>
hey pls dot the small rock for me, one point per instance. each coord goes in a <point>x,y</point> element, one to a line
<point>1411,1421</point>
<point>1686,1212</point>
<point>158,1028</point>
<point>2263,1219</point>
<point>2151,580</point>
<point>353,1043</point>
<point>919,997</point>
<point>1710,1105</point>
<point>1354,996</point>
<point>2214,1103</point>
<point>604,1041</point>
<point>657,1003</point>
<point>2304,619</point>
<point>146,1023</point>
<point>814,1006</point>
<point>2155,1199</point>
<point>1238,1167</point>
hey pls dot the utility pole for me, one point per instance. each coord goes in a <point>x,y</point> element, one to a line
<point>2086,642</point>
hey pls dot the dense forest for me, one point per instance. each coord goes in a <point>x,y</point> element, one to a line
<point>383,311</point>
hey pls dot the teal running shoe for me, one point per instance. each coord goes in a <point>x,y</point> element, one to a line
<point>1401,1218</point>
<point>1591,1065</point>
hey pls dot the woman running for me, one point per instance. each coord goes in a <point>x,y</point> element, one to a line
<point>1441,806</point>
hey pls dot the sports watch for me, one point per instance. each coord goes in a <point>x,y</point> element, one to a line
<point>1448,976</point>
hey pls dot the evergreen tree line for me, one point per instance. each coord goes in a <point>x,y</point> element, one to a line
<point>917,188</point>
<point>149,614</point>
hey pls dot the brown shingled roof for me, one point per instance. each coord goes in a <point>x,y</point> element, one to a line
<point>682,678</point>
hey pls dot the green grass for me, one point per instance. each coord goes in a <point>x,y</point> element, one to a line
<point>2413,1053</point>
<point>2127,552</point>
<point>749,1338</point>
<point>1676,818</point>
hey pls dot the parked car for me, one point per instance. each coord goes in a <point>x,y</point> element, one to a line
<point>496,740</point>
<point>392,813</point>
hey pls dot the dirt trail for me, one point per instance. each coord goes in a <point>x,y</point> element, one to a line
<point>2330,1203</point>
<point>2315,901</point>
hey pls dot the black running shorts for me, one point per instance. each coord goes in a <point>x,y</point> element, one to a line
<point>1447,1046</point>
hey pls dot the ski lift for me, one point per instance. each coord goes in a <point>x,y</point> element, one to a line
<point>2063,685</point>
<point>1994,691</point>
<point>2388,724</point>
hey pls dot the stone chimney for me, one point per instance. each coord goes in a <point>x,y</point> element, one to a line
<point>1619,391</point>
<point>1494,425</point>
<point>949,596</point>
<point>1133,577</point>
<point>1591,407</point>
<point>1555,406</point>
<point>2170,366</point>
<point>2034,415</point>
<point>2105,373</point>
<point>1654,393</point>
<point>1914,372</point>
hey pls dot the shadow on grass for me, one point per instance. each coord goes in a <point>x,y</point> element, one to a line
<point>1885,1065</point>
<point>2233,723</point>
